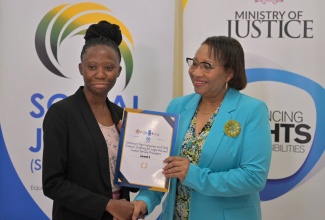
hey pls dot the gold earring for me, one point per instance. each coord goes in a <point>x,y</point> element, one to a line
<point>226,86</point>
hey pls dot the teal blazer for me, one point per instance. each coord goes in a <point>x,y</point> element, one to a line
<point>232,170</point>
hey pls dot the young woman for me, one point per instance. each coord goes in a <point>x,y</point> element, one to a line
<point>81,137</point>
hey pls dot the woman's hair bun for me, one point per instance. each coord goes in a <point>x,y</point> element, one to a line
<point>104,29</point>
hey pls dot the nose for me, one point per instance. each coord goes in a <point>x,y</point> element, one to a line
<point>196,72</point>
<point>100,73</point>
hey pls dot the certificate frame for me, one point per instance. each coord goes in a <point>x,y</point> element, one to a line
<point>146,139</point>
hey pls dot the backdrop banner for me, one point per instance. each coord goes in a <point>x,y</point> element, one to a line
<point>40,43</point>
<point>284,47</point>
<point>40,51</point>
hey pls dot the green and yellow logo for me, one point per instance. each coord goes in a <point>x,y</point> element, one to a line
<point>70,20</point>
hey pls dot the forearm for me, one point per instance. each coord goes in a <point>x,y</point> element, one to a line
<point>235,182</point>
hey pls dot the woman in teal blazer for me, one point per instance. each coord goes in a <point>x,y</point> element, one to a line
<point>224,143</point>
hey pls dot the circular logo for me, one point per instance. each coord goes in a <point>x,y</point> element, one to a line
<point>68,20</point>
<point>144,165</point>
<point>277,187</point>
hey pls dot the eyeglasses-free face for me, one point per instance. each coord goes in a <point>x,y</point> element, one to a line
<point>205,66</point>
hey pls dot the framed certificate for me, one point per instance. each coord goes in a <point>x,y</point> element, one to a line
<point>146,139</point>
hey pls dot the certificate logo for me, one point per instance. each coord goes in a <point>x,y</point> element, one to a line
<point>69,20</point>
<point>146,132</point>
<point>148,139</point>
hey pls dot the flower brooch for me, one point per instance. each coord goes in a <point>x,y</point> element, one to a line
<point>232,128</point>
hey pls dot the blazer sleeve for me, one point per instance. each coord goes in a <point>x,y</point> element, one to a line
<point>151,198</point>
<point>247,176</point>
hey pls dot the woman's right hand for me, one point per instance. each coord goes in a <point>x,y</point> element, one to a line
<point>121,209</point>
<point>140,210</point>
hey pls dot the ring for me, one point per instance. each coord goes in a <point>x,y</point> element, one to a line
<point>177,169</point>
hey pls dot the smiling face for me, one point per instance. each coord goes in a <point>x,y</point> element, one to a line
<point>100,68</point>
<point>212,84</point>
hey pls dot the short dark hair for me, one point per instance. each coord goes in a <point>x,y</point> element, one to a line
<point>103,33</point>
<point>229,52</point>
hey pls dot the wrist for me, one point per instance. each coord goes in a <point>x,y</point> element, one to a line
<point>110,205</point>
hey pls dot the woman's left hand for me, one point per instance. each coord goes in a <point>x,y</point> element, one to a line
<point>176,167</point>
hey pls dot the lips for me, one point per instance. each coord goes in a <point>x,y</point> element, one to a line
<point>100,85</point>
<point>199,82</point>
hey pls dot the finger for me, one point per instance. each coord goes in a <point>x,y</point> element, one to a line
<point>136,212</point>
<point>178,175</point>
<point>168,166</point>
<point>167,160</point>
<point>173,158</point>
<point>173,170</point>
<point>174,163</point>
<point>119,125</point>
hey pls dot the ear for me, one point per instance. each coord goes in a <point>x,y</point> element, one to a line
<point>80,68</point>
<point>119,71</point>
<point>229,75</point>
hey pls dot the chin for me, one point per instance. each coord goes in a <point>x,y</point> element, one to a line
<point>198,91</point>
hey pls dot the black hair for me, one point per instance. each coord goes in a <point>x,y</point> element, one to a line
<point>229,52</point>
<point>103,33</point>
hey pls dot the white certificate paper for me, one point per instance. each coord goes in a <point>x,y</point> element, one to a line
<point>147,138</point>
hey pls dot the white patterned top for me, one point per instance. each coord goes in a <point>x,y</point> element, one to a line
<point>112,137</point>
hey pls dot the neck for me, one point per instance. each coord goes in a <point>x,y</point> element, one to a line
<point>95,101</point>
<point>210,104</point>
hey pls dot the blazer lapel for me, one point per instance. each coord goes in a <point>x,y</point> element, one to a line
<point>96,133</point>
<point>185,119</point>
<point>116,112</point>
<point>216,133</point>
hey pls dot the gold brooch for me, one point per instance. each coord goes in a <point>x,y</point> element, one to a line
<point>232,128</point>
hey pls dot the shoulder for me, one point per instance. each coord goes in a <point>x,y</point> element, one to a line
<point>243,106</point>
<point>249,108</point>
<point>64,103</point>
<point>236,100</point>
<point>63,108</point>
<point>250,102</point>
<point>184,102</point>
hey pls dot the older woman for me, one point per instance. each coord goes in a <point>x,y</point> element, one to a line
<point>224,142</point>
